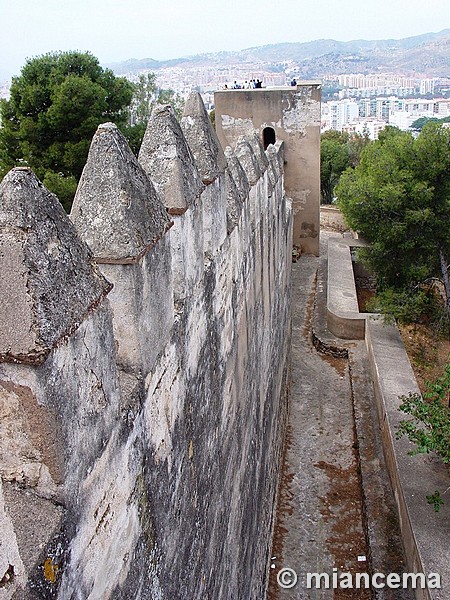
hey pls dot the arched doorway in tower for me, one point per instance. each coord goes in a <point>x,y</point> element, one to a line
<point>268,136</point>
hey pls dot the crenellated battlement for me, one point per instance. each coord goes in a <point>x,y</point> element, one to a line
<point>143,368</point>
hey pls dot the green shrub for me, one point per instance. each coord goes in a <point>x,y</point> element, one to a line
<point>429,428</point>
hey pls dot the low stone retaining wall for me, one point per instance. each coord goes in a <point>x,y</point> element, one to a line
<point>343,317</point>
<point>425,533</point>
<point>332,218</point>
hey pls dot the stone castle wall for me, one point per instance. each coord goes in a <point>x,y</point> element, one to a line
<point>144,363</point>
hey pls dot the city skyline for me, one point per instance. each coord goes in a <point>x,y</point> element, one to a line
<point>113,31</point>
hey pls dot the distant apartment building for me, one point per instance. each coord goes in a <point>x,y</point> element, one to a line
<point>338,113</point>
<point>442,108</point>
<point>208,79</point>
<point>409,111</point>
<point>362,117</point>
<point>383,84</point>
<point>403,120</point>
<point>374,81</point>
<point>363,86</point>
<point>371,115</point>
<point>427,86</point>
<point>402,92</point>
<point>274,79</point>
<point>370,126</point>
<point>378,107</point>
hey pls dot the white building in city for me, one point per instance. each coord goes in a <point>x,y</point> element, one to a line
<point>409,111</point>
<point>442,108</point>
<point>370,126</point>
<point>403,120</point>
<point>338,113</point>
<point>427,86</point>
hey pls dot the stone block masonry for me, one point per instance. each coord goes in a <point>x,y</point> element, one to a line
<point>144,358</point>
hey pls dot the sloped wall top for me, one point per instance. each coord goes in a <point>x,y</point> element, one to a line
<point>168,161</point>
<point>202,139</point>
<point>49,281</point>
<point>116,209</point>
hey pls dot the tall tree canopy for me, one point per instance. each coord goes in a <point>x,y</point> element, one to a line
<point>419,123</point>
<point>338,151</point>
<point>398,198</point>
<point>55,106</point>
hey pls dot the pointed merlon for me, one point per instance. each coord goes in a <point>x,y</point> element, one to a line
<point>245,154</point>
<point>258,149</point>
<point>274,167</point>
<point>167,159</point>
<point>116,210</point>
<point>281,149</point>
<point>238,174</point>
<point>274,160</point>
<point>202,139</point>
<point>49,280</point>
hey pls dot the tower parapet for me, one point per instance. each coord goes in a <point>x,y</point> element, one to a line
<point>291,115</point>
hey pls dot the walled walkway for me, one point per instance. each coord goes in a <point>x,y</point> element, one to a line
<point>335,506</point>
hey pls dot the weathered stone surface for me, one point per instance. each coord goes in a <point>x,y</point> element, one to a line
<point>227,335</point>
<point>238,174</point>
<point>168,161</point>
<point>214,202</point>
<point>103,545</point>
<point>424,531</point>
<point>49,281</point>
<point>234,204</point>
<point>202,139</point>
<point>281,155</point>
<point>12,571</point>
<point>246,155</point>
<point>142,306</point>
<point>187,242</point>
<point>272,174</point>
<point>72,420</point>
<point>131,387</point>
<point>184,452</point>
<point>30,452</point>
<point>294,115</point>
<point>35,521</point>
<point>116,210</point>
<point>343,317</point>
<point>255,142</point>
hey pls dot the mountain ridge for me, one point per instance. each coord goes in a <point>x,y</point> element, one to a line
<point>324,56</point>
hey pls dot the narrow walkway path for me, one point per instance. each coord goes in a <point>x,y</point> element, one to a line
<point>322,523</point>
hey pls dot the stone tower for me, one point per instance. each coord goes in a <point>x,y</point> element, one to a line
<point>291,115</point>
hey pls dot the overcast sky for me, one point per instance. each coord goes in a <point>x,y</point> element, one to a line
<point>115,30</point>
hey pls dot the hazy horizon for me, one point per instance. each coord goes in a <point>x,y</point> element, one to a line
<point>115,32</point>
